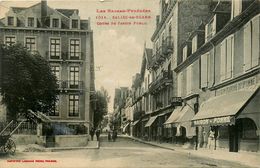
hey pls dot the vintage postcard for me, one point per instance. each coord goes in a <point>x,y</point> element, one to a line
<point>129,83</point>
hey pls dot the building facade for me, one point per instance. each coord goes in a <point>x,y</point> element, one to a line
<point>176,19</point>
<point>66,41</point>
<point>219,77</point>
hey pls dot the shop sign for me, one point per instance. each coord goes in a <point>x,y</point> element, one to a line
<point>215,121</point>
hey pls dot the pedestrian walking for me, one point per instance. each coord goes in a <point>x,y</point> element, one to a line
<point>98,134</point>
<point>92,132</point>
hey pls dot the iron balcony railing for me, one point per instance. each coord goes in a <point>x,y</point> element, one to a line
<point>70,85</point>
<point>164,79</point>
<point>64,56</point>
<point>162,52</point>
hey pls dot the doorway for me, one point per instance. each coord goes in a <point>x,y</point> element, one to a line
<point>233,138</point>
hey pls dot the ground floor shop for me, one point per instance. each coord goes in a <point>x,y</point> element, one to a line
<point>230,121</point>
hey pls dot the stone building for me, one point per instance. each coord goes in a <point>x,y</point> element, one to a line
<point>66,41</point>
<point>176,19</point>
<point>218,76</point>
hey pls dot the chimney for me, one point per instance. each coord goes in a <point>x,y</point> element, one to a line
<point>43,11</point>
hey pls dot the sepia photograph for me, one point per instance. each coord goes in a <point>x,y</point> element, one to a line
<point>129,83</point>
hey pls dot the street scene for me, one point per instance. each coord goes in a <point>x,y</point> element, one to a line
<point>129,83</point>
<point>122,153</point>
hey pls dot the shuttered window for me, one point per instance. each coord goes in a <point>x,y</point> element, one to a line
<point>227,55</point>
<point>251,44</point>
<point>204,70</point>
<point>189,79</point>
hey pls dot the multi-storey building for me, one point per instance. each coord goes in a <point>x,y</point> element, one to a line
<point>176,19</point>
<point>121,95</point>
<point>218,71</point>
<point>136,105</point>
<point>66,41</point>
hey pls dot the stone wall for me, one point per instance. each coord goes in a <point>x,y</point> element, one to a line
<point>71,140</point>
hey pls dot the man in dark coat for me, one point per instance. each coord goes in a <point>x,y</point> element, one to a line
<point>98,134</point>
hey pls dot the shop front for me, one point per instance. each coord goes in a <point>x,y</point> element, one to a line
<point>151,127</point>
<point>230,121</point>
<point>136,128</point>
<point>180,125</point>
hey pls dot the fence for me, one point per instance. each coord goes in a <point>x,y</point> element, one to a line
<point>24,128</point>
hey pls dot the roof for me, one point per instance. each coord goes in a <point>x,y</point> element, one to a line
<point>68,12</point>
<point>225,105</point>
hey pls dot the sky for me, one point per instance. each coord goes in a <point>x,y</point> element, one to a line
<point>118,49</point>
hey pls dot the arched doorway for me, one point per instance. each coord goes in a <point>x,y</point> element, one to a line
<point>242,135</point>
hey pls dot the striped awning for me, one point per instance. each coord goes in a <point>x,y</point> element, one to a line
<point>150,121</point>
<point>221,110</point>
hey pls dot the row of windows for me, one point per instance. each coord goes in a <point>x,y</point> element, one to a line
<point>32,22</point>
<point>227,55</point>
<point>55,46</point>
<point>73,107</point>
<point>73,73</point>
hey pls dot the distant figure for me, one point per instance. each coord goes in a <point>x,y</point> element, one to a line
<point>114,135</point>
<point>109,136</point>
<point>92,132</point>
<point>211,139</point>
<point>98,134</point>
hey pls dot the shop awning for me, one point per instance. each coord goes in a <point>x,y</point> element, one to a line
<point>187,113</point>
<point>150,121</point>
<point>124,128</point>
<point>173,117</point>
<point>221,110</point>
<point>135,122</point>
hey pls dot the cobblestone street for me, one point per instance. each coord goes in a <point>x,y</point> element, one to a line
<point>122,153</point>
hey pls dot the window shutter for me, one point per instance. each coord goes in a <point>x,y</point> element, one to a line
<point>204,71</point>
<point>223,61</point>
<point>255,41</point>
<point>247,47</point>
<point>189,79</point>
<point>180,84</point>
<point>229,56</point>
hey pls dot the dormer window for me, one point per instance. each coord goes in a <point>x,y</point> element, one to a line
<point>75,20</point>
<point>210,29</point>
<point>75,24</point>
<point>10,21</point>
<point>30,22</point>
<point>56,22</point>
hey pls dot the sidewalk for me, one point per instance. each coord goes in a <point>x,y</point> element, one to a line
<point>246,158</point>
<point>37,148</point>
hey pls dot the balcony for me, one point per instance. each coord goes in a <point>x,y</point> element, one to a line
<point>168,45</point>
<point>163,80</point>
<point>65,56</point>
<point>162,52</point>
<point>70,85</point>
